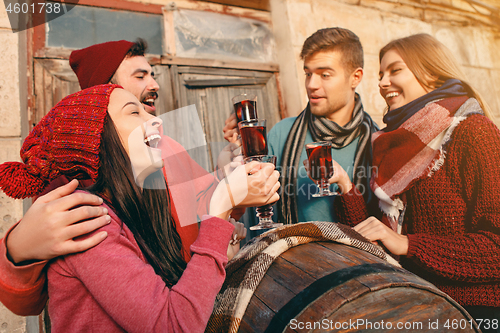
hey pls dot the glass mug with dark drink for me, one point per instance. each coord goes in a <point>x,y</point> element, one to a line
<point>253,137</point>
<point>245,107</point>
<point>264,213</point>
<point>319,155</point>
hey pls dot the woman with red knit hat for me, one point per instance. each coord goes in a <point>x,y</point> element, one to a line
<point>437,177</point>
<point>56,220</point>
<point>137,279</point>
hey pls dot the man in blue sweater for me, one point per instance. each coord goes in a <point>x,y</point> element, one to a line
<point>333,64</point>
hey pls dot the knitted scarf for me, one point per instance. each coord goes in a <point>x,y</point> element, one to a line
<point>322,129</point>
<point>412,146</point>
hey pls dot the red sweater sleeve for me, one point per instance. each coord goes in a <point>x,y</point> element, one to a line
<point>351,208</point>
<point>473,255</point>
<point>127,289</point>
<point>22,288</point>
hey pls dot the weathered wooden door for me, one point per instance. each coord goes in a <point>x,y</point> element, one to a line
<point>54,80</point>
<point>211,90</point>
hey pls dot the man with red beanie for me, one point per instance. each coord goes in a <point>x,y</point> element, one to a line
<point>120,62</point>
<point>54,222</point>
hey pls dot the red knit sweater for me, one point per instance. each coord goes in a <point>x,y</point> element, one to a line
<point>452,218</point>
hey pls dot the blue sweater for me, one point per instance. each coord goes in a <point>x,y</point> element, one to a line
<point>310,209</point>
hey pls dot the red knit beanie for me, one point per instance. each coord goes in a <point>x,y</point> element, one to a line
<point>98,63</point>
<point>65,142</point>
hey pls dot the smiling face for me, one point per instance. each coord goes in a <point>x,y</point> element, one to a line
<point>138,131</point>
<point>398,85</point>
<point>135,75</point>
<point>330,87</point>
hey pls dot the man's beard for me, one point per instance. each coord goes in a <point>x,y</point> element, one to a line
<point>151,94</point>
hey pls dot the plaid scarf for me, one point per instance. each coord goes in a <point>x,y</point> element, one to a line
<point>415,149</point>
<point>322,129</point>
<point>248,267</point>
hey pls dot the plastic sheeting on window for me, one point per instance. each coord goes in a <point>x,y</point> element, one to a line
<point>83,26</point>
<point>217,36</point>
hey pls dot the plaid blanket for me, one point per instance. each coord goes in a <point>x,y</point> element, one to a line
<point>248,267</point>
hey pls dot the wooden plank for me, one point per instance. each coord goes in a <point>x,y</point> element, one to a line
<point>260,15</point>
<point>272,293</point>
<point>53,52</point>
<point>39,108</point>
<point>393,305</point>
<point>224,82</point>
<point>316,260</point>
<point>133,6</point>
<point>383,280</point>
<point>257,317</point>
<point>289,276</point>
<point>176,86</point>
<point>322,307</point>
<point>255,4</point>
<point>351,289</point>
<point>48,92</point>
<point>165,60</point>
<point>353,254</point>
<point>273,112</point>
<point>166,94</point>
<point>63,54</point>
<point>169,32</point>
<point>224,72</point>
<point>281,98</point>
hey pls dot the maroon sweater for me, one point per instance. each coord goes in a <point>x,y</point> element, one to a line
<point>452,218</point>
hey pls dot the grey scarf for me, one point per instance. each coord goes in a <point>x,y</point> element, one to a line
<point>322,129</point>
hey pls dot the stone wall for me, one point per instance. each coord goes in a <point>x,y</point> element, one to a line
<point>472,37</point>
<point>10,140</point>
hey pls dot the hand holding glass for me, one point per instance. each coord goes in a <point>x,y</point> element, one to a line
<point>319,155</point>
<point>264,213</point>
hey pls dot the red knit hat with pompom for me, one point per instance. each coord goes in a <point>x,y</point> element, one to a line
<point>65,142</point>
<point>98,63</point>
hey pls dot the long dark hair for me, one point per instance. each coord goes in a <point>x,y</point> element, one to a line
<point>146,212</point>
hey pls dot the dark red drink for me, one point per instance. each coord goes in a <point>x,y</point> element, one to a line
<point>246,110</point>
<point>320,162</point>
<point>253,140</point>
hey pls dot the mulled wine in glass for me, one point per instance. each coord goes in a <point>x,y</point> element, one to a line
<point>319,155</point>
<point>245,107</point>
<point>264,213</point>
<point>253,137</point>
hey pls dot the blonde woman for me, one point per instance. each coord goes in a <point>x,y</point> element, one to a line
<point>437,177</point>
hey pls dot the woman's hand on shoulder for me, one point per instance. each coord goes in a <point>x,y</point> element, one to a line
<point>374,230</point>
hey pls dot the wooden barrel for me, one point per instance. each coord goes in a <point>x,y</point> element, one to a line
<point>324,287</point>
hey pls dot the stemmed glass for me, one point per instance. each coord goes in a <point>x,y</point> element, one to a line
<point>319,155</point>
<point>264,213</point>
<point>254,146</point>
